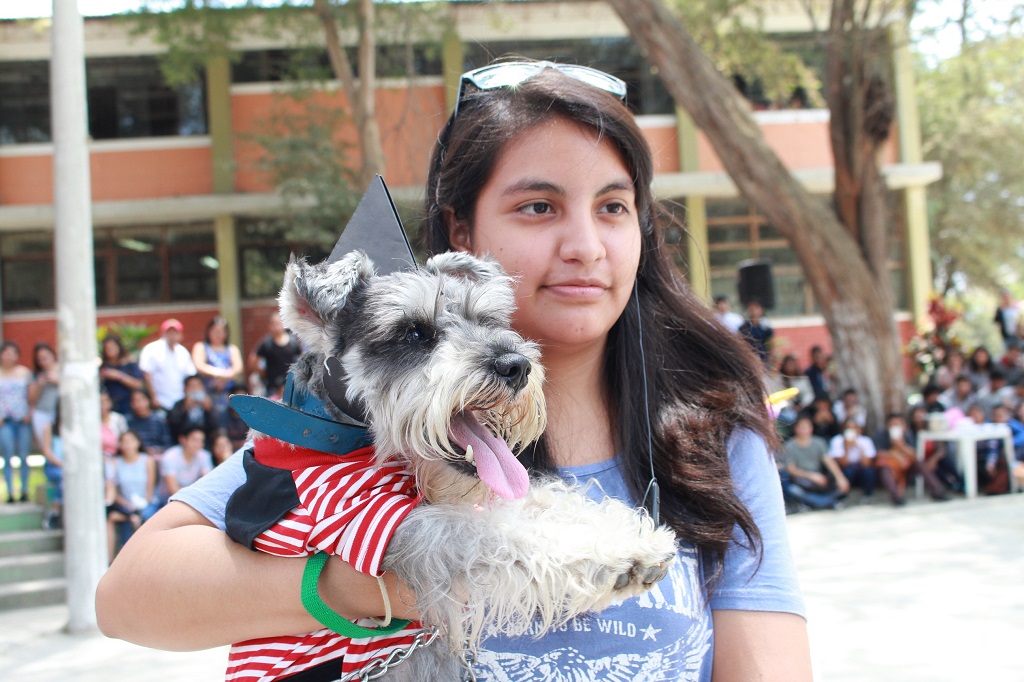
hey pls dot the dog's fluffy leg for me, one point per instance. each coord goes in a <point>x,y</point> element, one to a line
<point>517,566</point>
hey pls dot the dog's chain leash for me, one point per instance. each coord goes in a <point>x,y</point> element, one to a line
<point>379,667</point>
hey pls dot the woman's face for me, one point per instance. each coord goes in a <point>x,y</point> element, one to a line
<point>130,444</point>
<point>559,213</point>
<point>217,334</point>
<point>111,351</point>
<point>45,358</point>
<point>9,356</point>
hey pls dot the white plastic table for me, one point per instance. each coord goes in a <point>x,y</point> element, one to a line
<point>966,439</point>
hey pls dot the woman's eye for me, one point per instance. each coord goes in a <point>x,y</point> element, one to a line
<point>616,208</point>
<point>536,208</point>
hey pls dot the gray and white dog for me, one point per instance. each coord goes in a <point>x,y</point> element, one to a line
<point>448,390</point>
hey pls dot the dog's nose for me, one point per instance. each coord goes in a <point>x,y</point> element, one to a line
<point>513,368</point>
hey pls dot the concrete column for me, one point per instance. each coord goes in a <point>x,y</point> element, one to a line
<point>917,239</point>
<point>699,275</point>
<point>218,113</point>
<point>229,295</point>
<point>452,59</point>
<point>85,539</point>
<point>218,98</point>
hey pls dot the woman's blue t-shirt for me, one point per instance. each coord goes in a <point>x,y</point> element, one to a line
<point>665,634</point>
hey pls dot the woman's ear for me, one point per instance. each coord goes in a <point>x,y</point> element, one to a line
<point>459,233</point>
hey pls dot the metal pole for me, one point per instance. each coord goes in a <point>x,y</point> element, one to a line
<point>84,524</point>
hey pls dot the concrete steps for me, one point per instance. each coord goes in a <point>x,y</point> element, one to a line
<point>31,559</point>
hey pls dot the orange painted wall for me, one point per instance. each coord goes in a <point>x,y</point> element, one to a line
<point>799,145</point>
<point>140,174</point>
<point>30,330</point>
<point>409,120</point>
<point>664,147</point>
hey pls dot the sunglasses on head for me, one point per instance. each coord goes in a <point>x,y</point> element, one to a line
<point>509,74</point>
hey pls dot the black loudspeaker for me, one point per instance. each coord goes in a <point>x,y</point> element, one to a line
<point>756,284</point>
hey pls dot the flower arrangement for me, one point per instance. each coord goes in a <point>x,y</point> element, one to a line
<point>931,344</point>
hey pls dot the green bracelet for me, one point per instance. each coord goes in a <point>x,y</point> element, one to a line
<point>323,614</point>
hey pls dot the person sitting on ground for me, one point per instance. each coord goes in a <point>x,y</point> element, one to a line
<point>150,427</point>
<point>112,425</point>
<point>960,396</point>
<point>222,447</point>
<point>849,407</point>
<point>194,411</point>
<point>131,490</point>
<point>826,425</point>
<point>855,455</point>
<point>790,376</point>
<point>809,476</point>
<point>995,393</point>
<point>897,463</point>
<point>993,472</point>
<point>119,374</point>
<point>183,464</point>
<point>931,399</point>
<point>1011,363</point>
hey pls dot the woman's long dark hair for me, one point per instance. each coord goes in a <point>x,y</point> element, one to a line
<point>704,382</point>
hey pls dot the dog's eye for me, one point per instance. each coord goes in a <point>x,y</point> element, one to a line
<point>418,333</point>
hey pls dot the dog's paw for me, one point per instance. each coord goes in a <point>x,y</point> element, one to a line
<point>654,553</point>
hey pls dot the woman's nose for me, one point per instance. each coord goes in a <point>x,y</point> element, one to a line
<point>582,239</point>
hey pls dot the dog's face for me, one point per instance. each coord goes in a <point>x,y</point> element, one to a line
<point>429,355</point>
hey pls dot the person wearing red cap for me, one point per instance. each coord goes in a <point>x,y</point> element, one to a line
<point>165,365</point>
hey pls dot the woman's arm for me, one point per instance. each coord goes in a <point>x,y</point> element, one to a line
<point>181,584</point>
<point>237,366</point>
<point>760,645</point>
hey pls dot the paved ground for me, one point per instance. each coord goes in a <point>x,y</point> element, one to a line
<point>928,593</point>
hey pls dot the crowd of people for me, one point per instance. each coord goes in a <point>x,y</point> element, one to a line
<point>165,420</point>
<point>826,453</point>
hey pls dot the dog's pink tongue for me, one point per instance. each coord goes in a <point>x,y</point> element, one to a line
<point>497,467</point>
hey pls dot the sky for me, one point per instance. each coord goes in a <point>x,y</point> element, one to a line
<point>935,13</point>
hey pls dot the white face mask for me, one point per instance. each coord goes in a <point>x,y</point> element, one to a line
<point>895,433</point>
<point>850,434</point>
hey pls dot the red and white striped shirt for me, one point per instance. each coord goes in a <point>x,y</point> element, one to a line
<point>350,507</point>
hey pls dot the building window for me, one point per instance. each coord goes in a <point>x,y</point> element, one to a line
<point>737,232</point>
<point>133,266</point>
<point>393,61</point>
<point>264,249</point>
<point>616,55</point>
<point>127,97</point>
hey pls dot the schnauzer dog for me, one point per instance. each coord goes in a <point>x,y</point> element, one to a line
<point>428,360</point>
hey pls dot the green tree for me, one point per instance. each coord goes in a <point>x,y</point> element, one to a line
<point>972,121</point>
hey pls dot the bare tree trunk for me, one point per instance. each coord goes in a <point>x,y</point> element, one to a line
<point>360,95</point>
<point>853,297</point>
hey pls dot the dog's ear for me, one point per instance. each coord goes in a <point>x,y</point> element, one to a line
<point>313,295</point>
<point>460,264</point>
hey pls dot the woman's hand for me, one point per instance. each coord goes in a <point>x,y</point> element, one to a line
<point>181,584</point>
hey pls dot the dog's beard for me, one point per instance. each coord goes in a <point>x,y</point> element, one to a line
<point>462,414</point>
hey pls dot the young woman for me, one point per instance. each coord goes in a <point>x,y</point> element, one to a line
<point>15,417</point>
<point>546,170</point>
<point>119,374</point>
<point>219,363</point>
<point>112,425</point>
<point>44,391</point>
<point>131,490</point>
